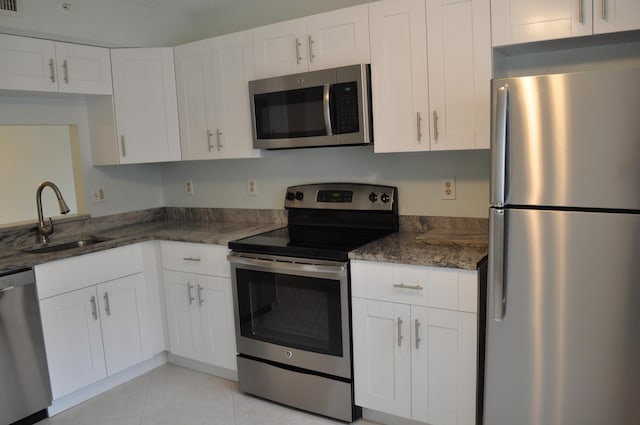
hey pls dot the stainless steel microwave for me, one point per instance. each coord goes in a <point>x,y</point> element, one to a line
<point>331,107</point>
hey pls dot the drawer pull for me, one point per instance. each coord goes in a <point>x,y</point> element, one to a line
<point>196,259</point>
<point>403,286</point>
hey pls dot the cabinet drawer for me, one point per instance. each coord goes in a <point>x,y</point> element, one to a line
<point>195,258</point>
<point>58,277</point>
<point>436,287</point>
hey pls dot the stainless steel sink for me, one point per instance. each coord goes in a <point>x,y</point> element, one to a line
<point>63,246</point>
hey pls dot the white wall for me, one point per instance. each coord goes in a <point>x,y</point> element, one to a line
<point>127,188</point>
<point>417,176</point>
<point>109,23</point>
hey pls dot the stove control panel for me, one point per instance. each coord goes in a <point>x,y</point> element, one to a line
<point>342,196</point>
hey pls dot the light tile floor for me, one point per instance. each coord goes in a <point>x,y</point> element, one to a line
<point>172,395</point>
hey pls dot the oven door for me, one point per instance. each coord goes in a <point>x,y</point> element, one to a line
<point>292,312</point>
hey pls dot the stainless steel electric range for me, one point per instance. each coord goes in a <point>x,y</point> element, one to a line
<point>292,293</point>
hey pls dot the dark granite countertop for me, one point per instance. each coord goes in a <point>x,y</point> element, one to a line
<point>429,241</point>
<point>218,233</point>
<point>409,248</point>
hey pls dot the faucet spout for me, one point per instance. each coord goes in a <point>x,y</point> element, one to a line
<point>44,230</point>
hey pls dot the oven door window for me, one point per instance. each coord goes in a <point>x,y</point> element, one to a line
<point>293,311</point>
<point>291,113</point>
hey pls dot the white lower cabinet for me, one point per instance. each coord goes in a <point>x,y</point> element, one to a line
<point>95,323</point>
<point>413,358</point>
<point>199,303</point>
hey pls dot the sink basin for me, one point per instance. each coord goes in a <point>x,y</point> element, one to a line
<point>63,246</point>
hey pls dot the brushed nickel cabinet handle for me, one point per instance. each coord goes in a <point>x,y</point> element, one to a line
<point>419,121</point>
<point>107,306</point>
<point>194,259</point>
<point>94,308</point>
<point>123,146</point>
<point>65,66</point>
<point>417,327</point>
<point>604,10</point>
<point>311,55</point>
<point>52,71</point>
<point>436,133</point>
<point>400,332</point>
<point>209,145</point>
<point>189,288</point>
<point>298,58</point>
<point>403,286</point>
<point>218,134</point>
<point>200,299</point>
<point>581,11</point>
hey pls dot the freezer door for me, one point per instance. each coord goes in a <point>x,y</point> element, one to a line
<point>567,350</point>
<point>568,140</point>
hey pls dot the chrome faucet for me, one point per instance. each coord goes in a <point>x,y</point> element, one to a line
<point>44,230</point>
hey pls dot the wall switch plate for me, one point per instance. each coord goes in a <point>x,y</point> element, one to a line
<point>98,195</point>
<point>188,187</point>
<point>448,188</point>
<point>252,187</point>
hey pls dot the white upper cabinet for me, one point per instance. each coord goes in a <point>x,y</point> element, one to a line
<point>331,39</point>
<point>213,98</point>
<point>459,46</point>
<point>83,69</point>
<point>43,65</point>
<point>399,76</point>
<point>522,21</point>
<point>615,15</point>
<point>146,110</point>
<point>437,100</point>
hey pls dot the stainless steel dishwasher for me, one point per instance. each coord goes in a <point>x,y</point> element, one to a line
<point>25,392</point>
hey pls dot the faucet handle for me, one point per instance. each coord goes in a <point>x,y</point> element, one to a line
<point>44,230</point>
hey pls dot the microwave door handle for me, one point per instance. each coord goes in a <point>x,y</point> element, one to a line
<point>327,109</point>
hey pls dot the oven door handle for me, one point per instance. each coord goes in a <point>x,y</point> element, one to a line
<point>284,266</point>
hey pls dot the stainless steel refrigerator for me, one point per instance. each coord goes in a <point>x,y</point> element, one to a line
<point>563,292</point>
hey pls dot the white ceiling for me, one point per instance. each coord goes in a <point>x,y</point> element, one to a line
<point>185,6</point>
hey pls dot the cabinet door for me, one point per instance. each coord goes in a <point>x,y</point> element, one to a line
<point>523,21</point>
<point>144,91</point>
<point>215,304</point>
<point>459,46</point>
<point>615,15</point>
<point>338,38</point>
<point>125,327</point>
<point>195,91</point>
<point>399,75</point>
<point>280,48</point>
<point>27,64</point>
<point>83,69</point>
<point>382,356</point>
<point>443,366</point>
<point>233,67</point>
<point>182,315</point>
<point>73,340</point>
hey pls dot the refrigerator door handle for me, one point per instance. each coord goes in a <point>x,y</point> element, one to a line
<point>499,147</point>
<point>496,282</point>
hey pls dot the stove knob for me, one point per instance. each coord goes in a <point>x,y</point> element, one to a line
<point>299,196</point>
<point>290,196</point>
<point>384,198</point>
<point>373,197</point>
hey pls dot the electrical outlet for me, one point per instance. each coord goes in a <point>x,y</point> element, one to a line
<point>188,187</point>
<point>98,195</point>
<point>252,187</point>
<point>448,188</point>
